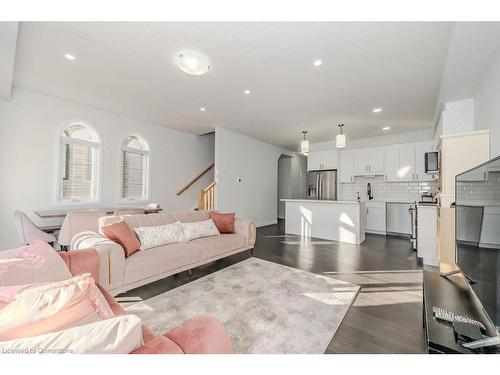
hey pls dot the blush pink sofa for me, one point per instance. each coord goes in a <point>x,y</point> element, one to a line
<point>118,273</point>
<point>201,335</point>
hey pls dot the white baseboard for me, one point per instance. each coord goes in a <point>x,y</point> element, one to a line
<point>266,222</point>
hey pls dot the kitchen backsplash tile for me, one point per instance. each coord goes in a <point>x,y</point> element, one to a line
<point>480,192</point>
<point>385,191</point>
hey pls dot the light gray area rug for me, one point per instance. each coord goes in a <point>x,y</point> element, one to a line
<point>266,307</point>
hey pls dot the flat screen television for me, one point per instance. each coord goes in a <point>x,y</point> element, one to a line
<point>477,216</point>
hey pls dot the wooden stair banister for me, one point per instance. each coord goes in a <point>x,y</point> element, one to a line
<point>195,179</point>
<point>207,197</point>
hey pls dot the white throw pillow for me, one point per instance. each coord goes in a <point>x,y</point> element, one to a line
<point>119,335</point>
<point>198,229</point>
<point>160,235</point>
<point>52,307</point>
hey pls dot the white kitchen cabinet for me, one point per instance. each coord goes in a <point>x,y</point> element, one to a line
<point>478,174</point>
<point>392,164</point>
<point>406,170</point>
<point>346,170</point>
<point>361,161</point>
<point>369,161</point>
<point>427,235</point>
<point>318,160</point>
<point>376,160</point>
<point>375,217</point>
<point>420,150</point>
<point>313,161</point>
<point>490,235</point>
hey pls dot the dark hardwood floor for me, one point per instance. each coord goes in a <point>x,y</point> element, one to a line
<point>386,316</point>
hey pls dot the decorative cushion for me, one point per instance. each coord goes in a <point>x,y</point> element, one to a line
<point>53,307</point>
<point>223,222</point>
<point>7,293</point>
<point>34,263</point>
<point>118,335</point>
<point>121,233</point>
<point>198,229</point>
<point>160,235</point>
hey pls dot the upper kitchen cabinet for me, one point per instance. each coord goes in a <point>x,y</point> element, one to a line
<point>361,161</point>
<point>420,150</point>
<point>407,167</point>
<point>368,161</point>
<point>392,164</point>
<point>346,169</point>
<point>376,161</point>
<point>319,160</point>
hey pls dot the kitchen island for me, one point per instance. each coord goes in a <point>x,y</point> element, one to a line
<point>343,221</point>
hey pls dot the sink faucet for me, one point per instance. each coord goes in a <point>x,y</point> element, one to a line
<point>369,191</point>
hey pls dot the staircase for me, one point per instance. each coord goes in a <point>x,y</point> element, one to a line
<point>206,199</point>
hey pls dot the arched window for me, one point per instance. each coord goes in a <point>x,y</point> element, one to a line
<point>79,160</point>
<point>135,169</point>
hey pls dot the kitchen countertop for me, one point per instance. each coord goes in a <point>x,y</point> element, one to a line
<point>320,201</point>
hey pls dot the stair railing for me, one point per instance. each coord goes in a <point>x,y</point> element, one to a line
<point>195,179</point>
<point>207,197</point>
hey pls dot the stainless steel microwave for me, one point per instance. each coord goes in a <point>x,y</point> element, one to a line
<point>432,162</point>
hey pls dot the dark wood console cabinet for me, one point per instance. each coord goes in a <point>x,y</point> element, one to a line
<point>452,294</point>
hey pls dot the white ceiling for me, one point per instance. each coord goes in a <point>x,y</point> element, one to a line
<point>127,68</point>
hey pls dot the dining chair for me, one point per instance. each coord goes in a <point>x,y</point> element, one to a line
<point>28,232</point>
<point>79,221</point>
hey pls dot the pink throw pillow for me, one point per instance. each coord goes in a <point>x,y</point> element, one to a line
<point>223,222</point>
<point>121,233</point>
<point>35,263</point>
<point>53,307</point>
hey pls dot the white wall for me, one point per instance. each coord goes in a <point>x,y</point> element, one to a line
<point>389,139</point>
<point>284,183</point>
<point>246,173</point>
<point>292,172</point>
<point>457,117</point>
<point>487,102</point>
<point>29,128</point>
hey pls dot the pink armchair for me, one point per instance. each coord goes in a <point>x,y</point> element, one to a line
<point>201,335</point>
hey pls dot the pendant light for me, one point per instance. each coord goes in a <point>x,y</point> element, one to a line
<point>340,141</point>
<point>304,144</point>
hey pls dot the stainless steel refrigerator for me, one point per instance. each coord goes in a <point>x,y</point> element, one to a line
<point>322,185</point>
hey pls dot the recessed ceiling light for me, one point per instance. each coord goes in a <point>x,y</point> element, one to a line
<point>386,128</point>
<point>69,57</point>
<point>376,110</point>
<point>318,63</point>
<point>203,109</point>
<point>192,62</point>
<point>247,92</point>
